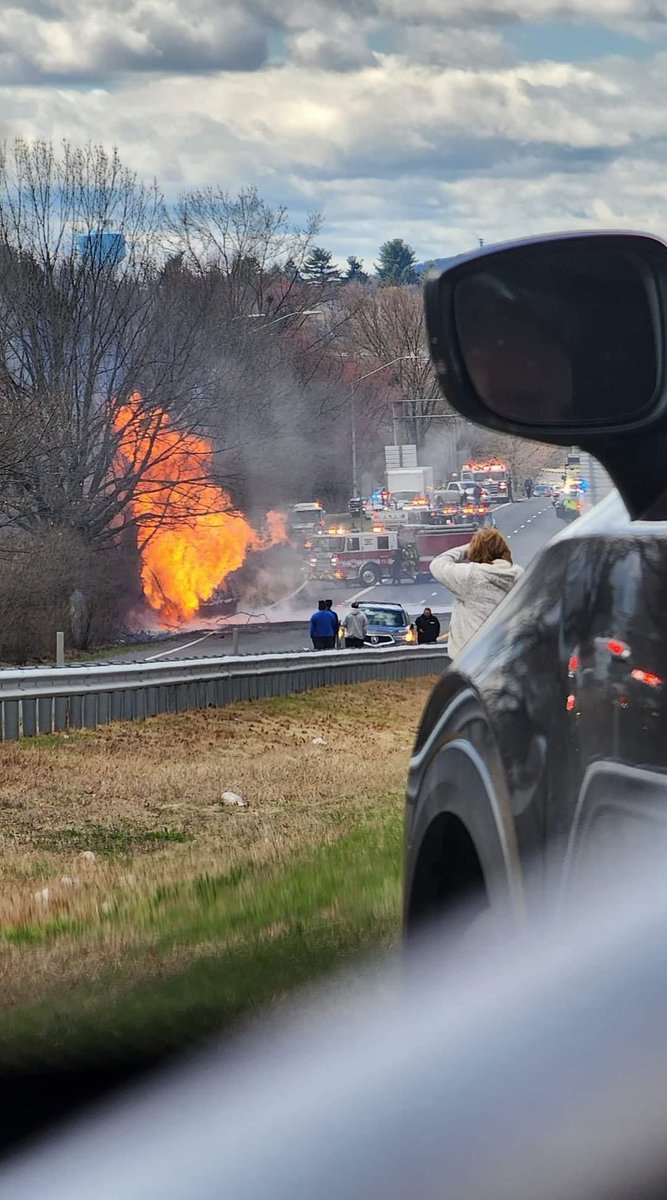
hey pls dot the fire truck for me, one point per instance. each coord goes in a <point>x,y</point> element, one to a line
<point>492,475</point>
<point>368,557</point>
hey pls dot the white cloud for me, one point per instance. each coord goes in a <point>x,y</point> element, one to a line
<point>432,131</point>
<point>90,39</point>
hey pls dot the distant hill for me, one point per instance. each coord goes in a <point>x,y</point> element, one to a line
<point>438,263</point>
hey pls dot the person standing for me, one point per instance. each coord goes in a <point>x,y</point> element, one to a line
<point>322,627</point>
<point>356,627</point>
<point>428,628</point>
<point>479,575</point>
<point>528,487</point>
<point>330,608</point>
<point>397,565</point>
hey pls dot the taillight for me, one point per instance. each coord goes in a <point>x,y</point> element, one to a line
<point>648,678</point>
<point>618,649</point>
<point>570,703</point>
<point>573,664</point>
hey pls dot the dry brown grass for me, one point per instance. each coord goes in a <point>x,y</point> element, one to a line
<point>111,790</point>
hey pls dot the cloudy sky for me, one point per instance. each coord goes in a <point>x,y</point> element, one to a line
<point>439,121</point>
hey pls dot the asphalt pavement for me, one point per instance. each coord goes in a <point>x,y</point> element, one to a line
<point>527,524</point>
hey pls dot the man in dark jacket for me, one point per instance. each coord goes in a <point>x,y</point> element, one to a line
<point>322,627</point>
<point>428,628</point>
<point>397,566</point>
<point>330,608</point>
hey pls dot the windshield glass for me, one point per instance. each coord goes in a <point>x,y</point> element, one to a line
<point>386,617</point>
<point>214,372</point>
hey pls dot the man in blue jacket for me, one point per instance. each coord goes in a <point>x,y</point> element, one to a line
<point>322,627</point>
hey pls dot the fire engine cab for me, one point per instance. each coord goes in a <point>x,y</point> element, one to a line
<point>369,557</point>
<point>364,556</point>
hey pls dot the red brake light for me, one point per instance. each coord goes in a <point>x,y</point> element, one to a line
<point>648,678</point>
<point>573,664</point>
<point>570,703</point>
<point>618,649</point>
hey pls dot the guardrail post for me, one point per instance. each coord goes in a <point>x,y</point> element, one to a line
<point>235,640</point>
<point>60,648</point>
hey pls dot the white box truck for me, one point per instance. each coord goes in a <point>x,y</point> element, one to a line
<point>406,483</point>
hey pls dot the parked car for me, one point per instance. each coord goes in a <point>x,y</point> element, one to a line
<point>545,741</point>
<point>388,624</point>
<point>543,489</point>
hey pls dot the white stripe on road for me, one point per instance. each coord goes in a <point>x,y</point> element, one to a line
<point>177,649</point>
<point>362,593</point>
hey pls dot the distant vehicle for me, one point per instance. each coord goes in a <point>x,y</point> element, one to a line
<point>543,489</point>
<point>543,744</point>
<point>388,624</point>
<point>493,475</point>
<point>569,505</point>
<point>305,519</point>
<point>406,483</point>
<point>368,557</point>
<point>456,488</point>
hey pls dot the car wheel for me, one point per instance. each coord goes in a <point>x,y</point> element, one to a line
<point>370,574</point>
<point>461,834</point>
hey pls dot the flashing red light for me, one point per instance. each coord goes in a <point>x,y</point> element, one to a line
<point>648,678</point>
<point>573,664</point>
<point>618,649</point>
<point>570,703</point>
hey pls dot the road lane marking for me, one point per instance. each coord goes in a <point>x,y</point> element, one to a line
<point>178,649</point>
<point>362,593</point>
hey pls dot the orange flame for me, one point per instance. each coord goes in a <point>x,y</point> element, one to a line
<point>190,537</point>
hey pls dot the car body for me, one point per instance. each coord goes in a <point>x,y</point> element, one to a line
<point>569,505</point>
<point>456,489</point>
<point>388,624</point>
<point>544,743</point>
<point>543,489</point>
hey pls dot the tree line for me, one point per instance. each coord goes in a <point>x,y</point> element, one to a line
<point>396,265</point>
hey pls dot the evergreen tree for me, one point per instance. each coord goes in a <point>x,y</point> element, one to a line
<point>355,270</point>
<point>319,267</point>
<point>396,263</point>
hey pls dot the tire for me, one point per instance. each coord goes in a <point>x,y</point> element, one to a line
<point>370,573</point>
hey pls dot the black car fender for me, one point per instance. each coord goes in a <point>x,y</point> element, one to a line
<point>460,832</point>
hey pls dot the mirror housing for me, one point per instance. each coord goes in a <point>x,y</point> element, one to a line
<point>562,339</point>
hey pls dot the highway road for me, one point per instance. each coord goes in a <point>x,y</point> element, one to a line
<point>528,525</point>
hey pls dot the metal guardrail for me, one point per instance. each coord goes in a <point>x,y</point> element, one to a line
<point>47,700</point>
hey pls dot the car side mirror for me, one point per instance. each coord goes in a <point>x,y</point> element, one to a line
<point>559,339</point>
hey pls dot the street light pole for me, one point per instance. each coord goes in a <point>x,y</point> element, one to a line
<point>304,312</point>
<point>353,411</point>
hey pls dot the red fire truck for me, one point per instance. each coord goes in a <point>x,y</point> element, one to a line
<point>494,476</point>
<point>368,557</point>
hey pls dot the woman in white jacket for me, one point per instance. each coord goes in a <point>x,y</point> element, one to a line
<point>479,575</point>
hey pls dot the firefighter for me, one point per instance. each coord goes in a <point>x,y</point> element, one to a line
<point>397,565</point>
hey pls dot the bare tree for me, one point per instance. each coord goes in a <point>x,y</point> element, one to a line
<point>252,249</point>
<point>386,324</point>
<point>88,318</point>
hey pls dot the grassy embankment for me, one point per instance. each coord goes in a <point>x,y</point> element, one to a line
<point>193,913</point>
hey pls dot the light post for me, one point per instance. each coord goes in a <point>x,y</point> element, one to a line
<point>353,411</point>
